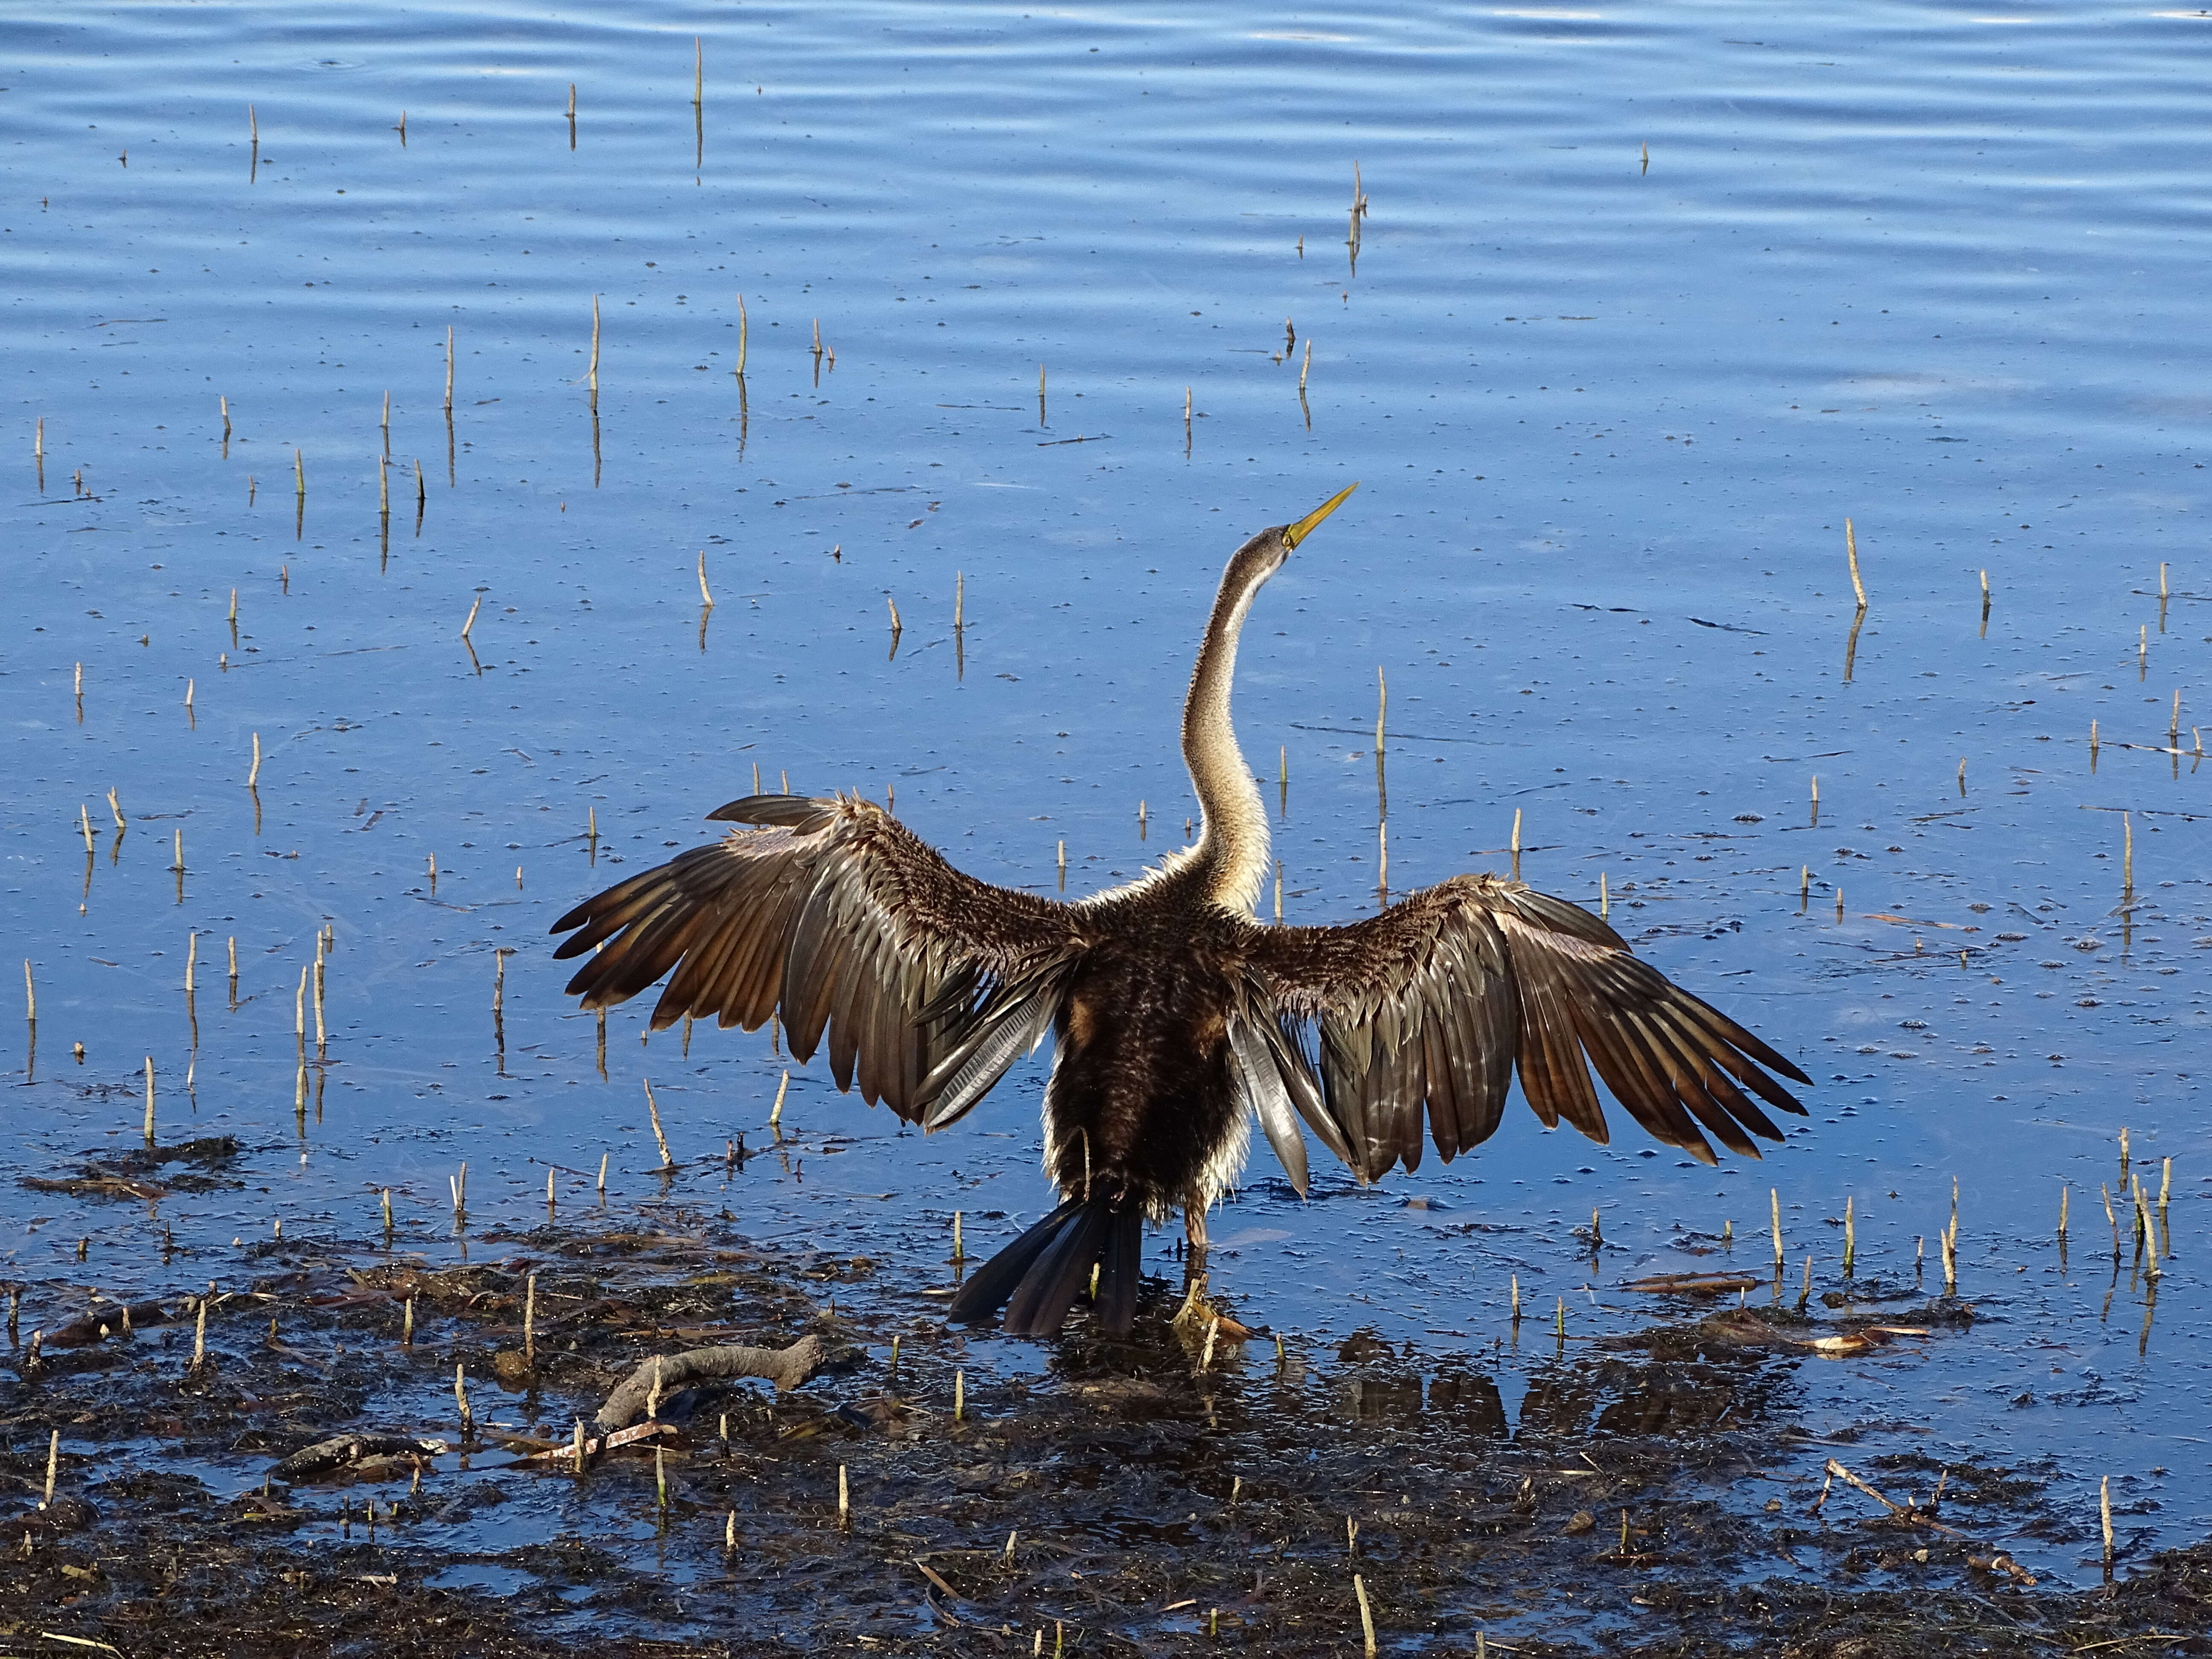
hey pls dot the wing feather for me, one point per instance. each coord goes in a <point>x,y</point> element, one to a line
<point>1341,1075</point>
<point>1430,1009</point>
<point>689,988</point>
<point>1443,1080</point>
<point>833,916</point>
<point>809,977</point>
<point>1560,1086</point>
<point>1259,1078</point>
<point>612,911</point>
<point>1010,1025</point>
<point>1305,1087</point>
<point>844,1021</point>
<point>621,974</point>
<point>1694,1078</point>
<point>1485,1012</point>
<point>1409,1087</point>
<point>1739,1106</point>
<point>1652,1087</point>
<point>753,983</point>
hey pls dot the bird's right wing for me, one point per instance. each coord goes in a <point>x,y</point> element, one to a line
<point>832,916</point>
<point>1425,1010</point>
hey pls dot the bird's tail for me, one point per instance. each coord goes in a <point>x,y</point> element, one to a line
<point>1038,1278</point>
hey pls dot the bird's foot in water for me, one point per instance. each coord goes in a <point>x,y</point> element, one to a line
<point>1198,1321</point>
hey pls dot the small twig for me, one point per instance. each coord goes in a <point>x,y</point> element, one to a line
<point>1910,1514</point>
<point>582,1448</point>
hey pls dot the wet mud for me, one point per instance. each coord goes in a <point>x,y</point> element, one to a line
<point>1180,1491</point>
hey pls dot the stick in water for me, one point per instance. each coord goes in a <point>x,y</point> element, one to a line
<point>653,1107</point>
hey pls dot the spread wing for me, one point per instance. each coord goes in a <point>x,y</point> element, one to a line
<point>1430,1005</point>
<point>928,983</point>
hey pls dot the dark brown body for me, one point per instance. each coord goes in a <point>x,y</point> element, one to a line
<point>1141,1109</point>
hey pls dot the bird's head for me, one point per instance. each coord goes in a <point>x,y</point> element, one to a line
<point>1292,534</point>
<point>1263,556</point>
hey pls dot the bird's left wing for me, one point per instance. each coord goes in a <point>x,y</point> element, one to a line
<point>928,983</point>
<point>1428,1005</point>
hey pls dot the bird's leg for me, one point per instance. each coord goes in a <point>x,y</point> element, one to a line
<point>1193,1259</point>
<point>1194,1227</point>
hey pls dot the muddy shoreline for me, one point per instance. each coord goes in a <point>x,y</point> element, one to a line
<point>1145,1495</point>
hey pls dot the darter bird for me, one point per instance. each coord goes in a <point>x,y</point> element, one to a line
<point>1176,1016</point>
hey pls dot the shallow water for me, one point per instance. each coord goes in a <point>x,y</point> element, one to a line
<point>1929,268</point>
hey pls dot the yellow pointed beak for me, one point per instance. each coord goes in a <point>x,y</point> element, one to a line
<point>1293,534</point>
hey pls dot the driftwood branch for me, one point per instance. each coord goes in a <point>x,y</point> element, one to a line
<point>1694,1284</point>
<point>784,1367</point>
<point>347,1451</point>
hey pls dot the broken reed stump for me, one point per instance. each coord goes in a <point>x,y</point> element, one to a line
<point>786,1367</point>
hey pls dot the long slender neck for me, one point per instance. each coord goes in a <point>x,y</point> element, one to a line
<point>1230,858</point>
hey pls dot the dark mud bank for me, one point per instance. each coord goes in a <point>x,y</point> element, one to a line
<point>1646,1495</point>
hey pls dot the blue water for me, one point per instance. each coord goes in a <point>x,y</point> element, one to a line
<point>1647,301</point>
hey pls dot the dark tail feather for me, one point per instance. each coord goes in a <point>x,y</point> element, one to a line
<point>1119,1270</point>
<point>1060,1273</point>
<point>986,1292</point>
<point>1039,1277</point>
